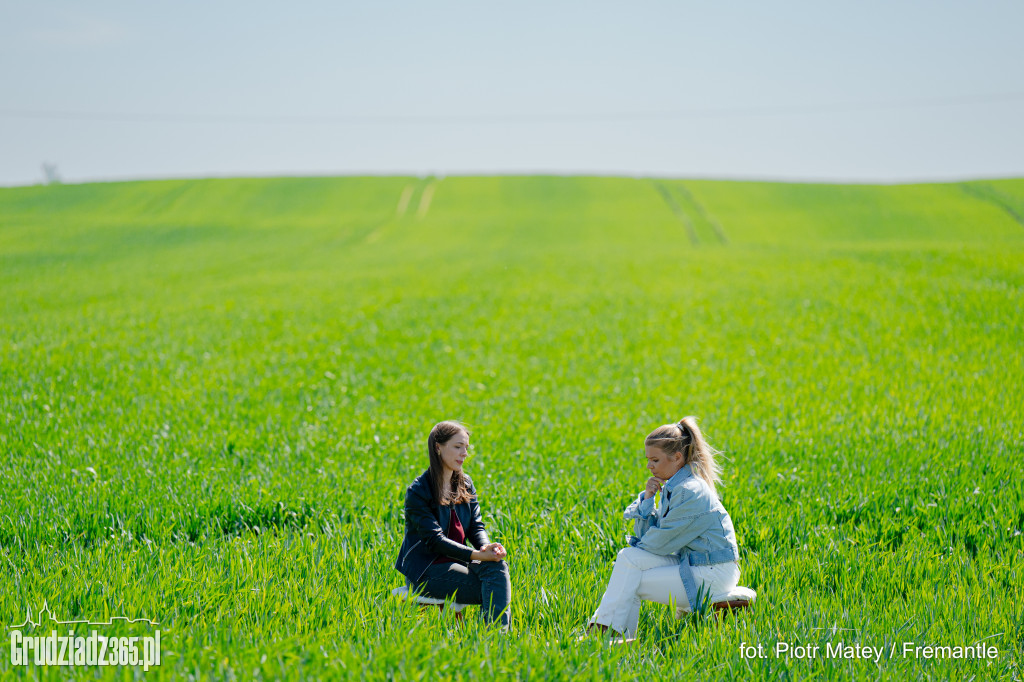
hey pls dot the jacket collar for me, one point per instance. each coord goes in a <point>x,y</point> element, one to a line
<point>678,477</point>
<point>444,512</point>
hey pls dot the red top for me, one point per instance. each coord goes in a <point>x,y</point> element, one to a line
<point>455,533</point>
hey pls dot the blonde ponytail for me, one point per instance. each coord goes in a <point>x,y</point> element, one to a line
<point>686,438</point>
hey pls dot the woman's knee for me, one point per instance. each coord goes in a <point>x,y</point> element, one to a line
<point>629,555</point>
<point>497,570</point>
<point>489,568</point>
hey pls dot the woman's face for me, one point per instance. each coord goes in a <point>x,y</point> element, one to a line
<point>661,464</point>
<point>454,452</point>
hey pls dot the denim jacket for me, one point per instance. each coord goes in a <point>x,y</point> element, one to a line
<point>691,523</point>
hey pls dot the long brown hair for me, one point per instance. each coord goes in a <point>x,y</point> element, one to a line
<point>685,437</point>
<point>439,435</point>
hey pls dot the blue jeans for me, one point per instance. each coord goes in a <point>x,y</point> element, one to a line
<point>480,582</point>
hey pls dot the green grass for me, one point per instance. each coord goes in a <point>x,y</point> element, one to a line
<point>214,392</point>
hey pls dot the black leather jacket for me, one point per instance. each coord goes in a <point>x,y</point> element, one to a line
<point>426,523</point>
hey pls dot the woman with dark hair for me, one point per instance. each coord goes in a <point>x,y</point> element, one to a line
<point>441,514</point>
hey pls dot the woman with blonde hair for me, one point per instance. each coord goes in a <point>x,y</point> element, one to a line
<point>684,549</point>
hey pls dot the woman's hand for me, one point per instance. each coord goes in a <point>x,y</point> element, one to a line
<point>653,486</point>
<point>490,552</point>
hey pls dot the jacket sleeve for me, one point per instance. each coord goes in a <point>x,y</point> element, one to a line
<point>685,521</point>
<point>476,533</point>
<point>641,512</point>
<point>428,530</point>
<point>639,508</point>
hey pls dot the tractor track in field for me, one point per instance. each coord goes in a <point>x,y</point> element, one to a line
<point>676,197</point>
<point>425,199</point>
<point>403,201</point>
<point>678,211</point>
<point>992,196</point>
<point>708,218</point>
<point>362,232</point>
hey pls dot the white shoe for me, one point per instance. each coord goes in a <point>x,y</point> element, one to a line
<point>622,640</point>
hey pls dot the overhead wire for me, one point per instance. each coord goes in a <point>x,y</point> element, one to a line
<point>484,118</point>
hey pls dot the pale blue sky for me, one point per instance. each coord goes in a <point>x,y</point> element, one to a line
<point>866,91</point>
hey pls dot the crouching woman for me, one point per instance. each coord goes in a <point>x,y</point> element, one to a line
<point>441,514</point>
<point>683,551</point>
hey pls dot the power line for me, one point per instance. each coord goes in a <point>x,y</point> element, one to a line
<point>624,116</point>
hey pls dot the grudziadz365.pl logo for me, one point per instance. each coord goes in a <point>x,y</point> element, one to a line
<point>47,640</point>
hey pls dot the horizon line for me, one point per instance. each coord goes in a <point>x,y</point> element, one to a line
<point>798,180</point>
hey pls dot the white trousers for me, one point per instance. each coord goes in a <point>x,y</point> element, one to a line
<point>639,575</point>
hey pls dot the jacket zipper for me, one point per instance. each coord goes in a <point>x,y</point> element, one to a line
<point>406,555</point>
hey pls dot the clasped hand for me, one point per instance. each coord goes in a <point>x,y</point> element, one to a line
<point>492,551</point>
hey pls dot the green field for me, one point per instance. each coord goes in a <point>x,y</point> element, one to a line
<point>214,392</point>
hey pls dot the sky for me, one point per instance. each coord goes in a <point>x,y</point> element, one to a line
<point>872,91</point>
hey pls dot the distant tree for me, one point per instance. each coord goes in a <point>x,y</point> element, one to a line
<point>51,174</point>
